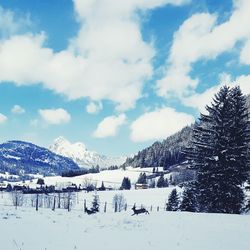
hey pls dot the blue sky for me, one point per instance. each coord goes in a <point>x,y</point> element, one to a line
<point>116,75</point>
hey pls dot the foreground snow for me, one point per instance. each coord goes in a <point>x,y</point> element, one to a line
<point>27,229</point>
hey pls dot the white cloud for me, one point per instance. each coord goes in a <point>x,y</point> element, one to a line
<point>3,118</point>
<point>55,116</point>
<point>159,124</point>
<point>200,100</point>
<point>200,37</point>
<point>11,24</point>
<point>244,82</point>
<point>245,53</point>
<point>93,107</point>
<point>109,126</point>
<point>17,109</point>
<point>108,59</point>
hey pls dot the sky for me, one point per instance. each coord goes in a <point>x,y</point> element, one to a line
<point>116,75</point>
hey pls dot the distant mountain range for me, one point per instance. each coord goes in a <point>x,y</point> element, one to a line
<point>20,158</point>
<point>23,158</point>
<point>82,156</point>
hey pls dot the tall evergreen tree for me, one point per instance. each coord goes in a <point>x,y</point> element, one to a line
<point>189,201</point>
<point>219,152</point>
<point>173,201</point>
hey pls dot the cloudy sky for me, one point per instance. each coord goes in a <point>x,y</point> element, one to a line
<point>116,74</point>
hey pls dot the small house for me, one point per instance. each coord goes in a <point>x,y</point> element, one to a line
<point>141,186</point>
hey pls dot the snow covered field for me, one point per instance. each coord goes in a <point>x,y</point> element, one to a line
<point>110,178</point>
<point>156,197</point>
<point>26,229</point>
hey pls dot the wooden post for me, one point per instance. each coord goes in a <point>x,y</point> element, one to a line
<point>36,202</point>
<point>105,207</point>
<point>59,200</point>
<point>16,199</point>
<point>68,201</point>
<point>115,207</point>
<point>158,209</point>
<point>84,206</point>
<point>126,207</point>
<point>151,208</point>
<point>54,204</point>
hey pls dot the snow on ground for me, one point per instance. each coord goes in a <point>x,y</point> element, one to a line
<point>26,229</point>
<point>111,178</point>
<point>147,197</point>
<point>8,176</point>
<point>155,197</point>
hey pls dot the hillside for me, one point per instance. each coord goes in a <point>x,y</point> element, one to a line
<point>165,153</point>
<point>20,158</point>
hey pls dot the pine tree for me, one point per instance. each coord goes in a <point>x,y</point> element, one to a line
<point>161,182</point>
<point>166,184</point>
<point>142,179</point>
<point>126,183</point>
<point>237,164</point>
<point>189,200</point>
<point>173,201</point>
<point>102,188</point>
<point>40,181</point>
<point>219,153</point>
<point>95,203</point>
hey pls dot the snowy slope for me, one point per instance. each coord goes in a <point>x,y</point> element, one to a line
<point>82,156</point>
<point>110,178</point>
<point>27,229</point>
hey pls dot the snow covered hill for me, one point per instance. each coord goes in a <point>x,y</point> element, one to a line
<point>110,178</point>
<point>82,156</point>
<point>22,158</point>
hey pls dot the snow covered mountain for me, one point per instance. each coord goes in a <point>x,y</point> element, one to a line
<point>21,158</point>
<point>82,156</point>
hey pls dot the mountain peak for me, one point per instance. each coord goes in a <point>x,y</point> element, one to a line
<point>63,141</point>
<point>82,156</point>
